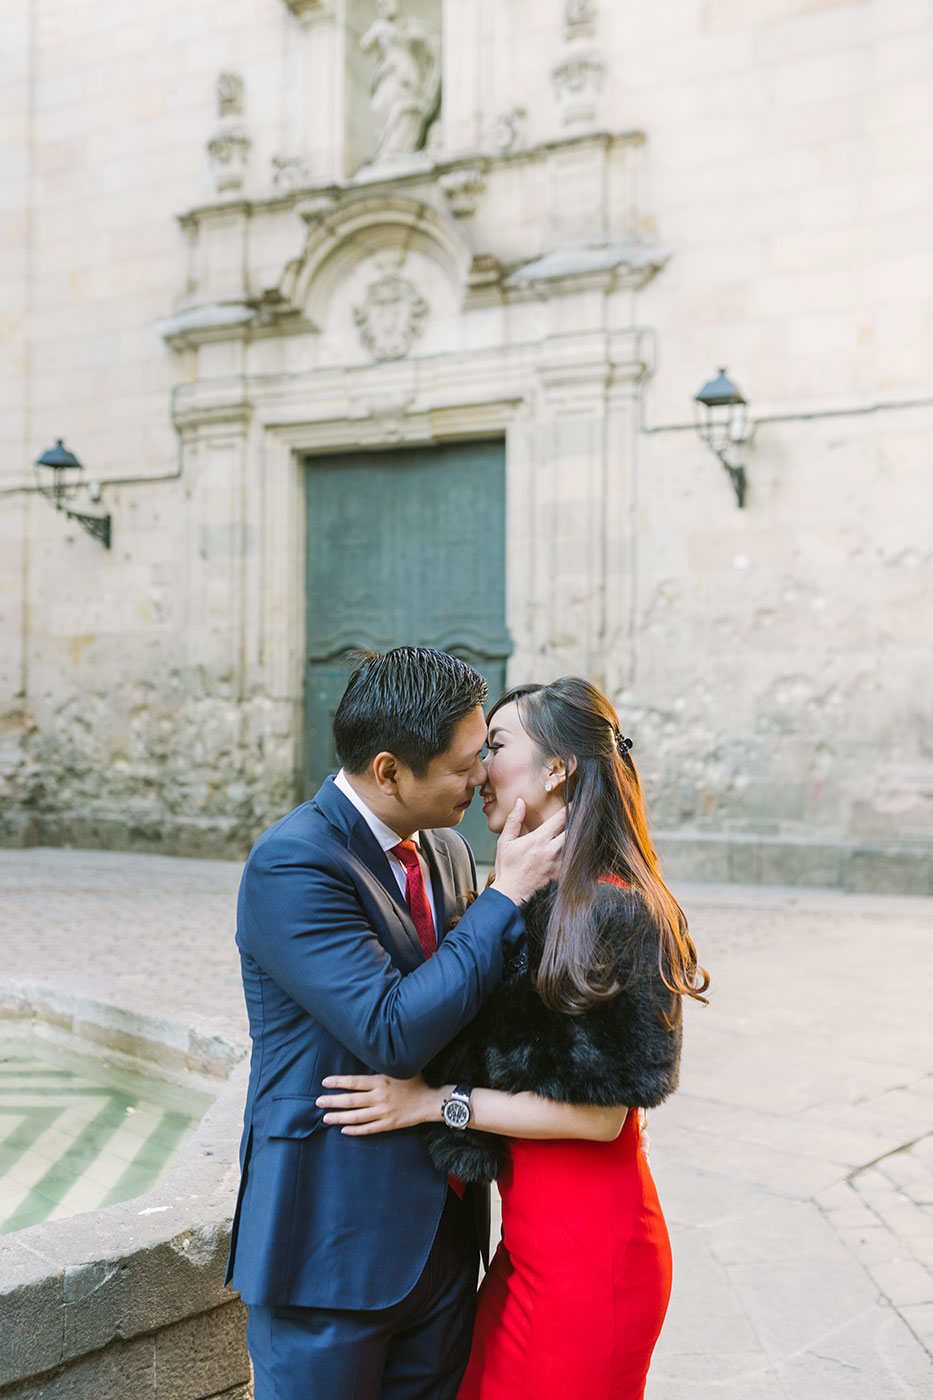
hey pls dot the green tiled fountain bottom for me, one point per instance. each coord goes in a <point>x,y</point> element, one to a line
<point>75,1135</point>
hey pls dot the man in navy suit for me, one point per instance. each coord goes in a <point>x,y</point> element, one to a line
<point>356,1258</point>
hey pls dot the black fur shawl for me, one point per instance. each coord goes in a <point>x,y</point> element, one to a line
<point>618,1052</point>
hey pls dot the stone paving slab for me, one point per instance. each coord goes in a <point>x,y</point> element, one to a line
<point>154,933</point>
<point>795,1165</point>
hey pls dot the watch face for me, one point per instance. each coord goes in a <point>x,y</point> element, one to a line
<point>456,1113</point>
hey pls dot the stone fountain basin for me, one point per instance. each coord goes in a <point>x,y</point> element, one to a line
<point>128,1300</point>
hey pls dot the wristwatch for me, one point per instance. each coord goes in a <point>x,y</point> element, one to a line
<point>457,1110</point>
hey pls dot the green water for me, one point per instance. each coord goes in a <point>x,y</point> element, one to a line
<point>76,1135</point>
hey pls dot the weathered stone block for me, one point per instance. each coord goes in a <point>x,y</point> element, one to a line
<point>744,862</point>
<point>31,1296</point>
<point>801,863</point>
<point>141,1047</point>
<point>201,1356</point>
<point>125,1371</point>
<point>210,1053</point>
<point>876,870</point>
<point>693,857</point>
<point>18,829</point>
<point>153,1287</point>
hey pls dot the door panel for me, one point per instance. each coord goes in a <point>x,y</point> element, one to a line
<point>404,548</point>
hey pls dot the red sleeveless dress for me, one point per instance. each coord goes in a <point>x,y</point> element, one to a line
<point>578,1288</point>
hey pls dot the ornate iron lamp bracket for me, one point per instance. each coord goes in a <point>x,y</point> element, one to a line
<point>97,526</point>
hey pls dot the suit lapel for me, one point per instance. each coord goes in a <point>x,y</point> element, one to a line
<point>442,880</point>
<point>362,843</point>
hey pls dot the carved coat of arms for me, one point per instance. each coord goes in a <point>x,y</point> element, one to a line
<point>391,316</point>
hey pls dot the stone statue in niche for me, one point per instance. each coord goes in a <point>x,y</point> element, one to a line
<point>406,84</point>
<point>392,314</point>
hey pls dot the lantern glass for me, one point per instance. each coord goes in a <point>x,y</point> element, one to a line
<point>720,414</point>
<point>58,474</point>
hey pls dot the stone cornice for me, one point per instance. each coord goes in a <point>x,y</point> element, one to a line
<point>400,179</point>
<point>445,396</point>
<point>192,326</point>
<point>627,262</point>
<point>197,325</point>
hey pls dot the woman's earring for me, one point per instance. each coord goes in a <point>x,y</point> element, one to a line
<point>548,785</point>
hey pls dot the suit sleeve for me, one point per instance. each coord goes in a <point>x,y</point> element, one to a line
<point>302,920</point>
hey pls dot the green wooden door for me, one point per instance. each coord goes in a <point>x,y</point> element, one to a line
<point>404,548</point>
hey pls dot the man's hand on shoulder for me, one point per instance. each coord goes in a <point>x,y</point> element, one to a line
<point>528,863</point>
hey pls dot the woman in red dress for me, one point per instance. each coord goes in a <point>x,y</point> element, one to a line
<point>547,1081</point>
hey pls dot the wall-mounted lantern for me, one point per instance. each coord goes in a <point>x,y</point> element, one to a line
<point>58,477</point>
<point>721,416</point>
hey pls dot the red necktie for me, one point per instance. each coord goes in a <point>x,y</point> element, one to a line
<point>416,896</point>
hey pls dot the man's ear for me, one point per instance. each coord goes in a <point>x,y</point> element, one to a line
<point>385,771</point>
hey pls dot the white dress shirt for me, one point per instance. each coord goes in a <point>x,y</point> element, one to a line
<point>388,838</point>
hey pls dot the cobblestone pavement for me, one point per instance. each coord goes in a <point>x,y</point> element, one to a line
<point>795,1165</point>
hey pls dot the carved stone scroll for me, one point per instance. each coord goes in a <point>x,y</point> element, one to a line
<point>506,132</point>
<point>290,173</point>
<point>463,188</point>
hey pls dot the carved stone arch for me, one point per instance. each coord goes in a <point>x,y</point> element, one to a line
<point>341,236</point>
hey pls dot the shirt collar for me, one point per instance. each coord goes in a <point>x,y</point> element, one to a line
<point>386,837</point>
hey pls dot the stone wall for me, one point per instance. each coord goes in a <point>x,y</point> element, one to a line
<point>128,1302</point>
<point>758,200</point>
<point>790,638</point>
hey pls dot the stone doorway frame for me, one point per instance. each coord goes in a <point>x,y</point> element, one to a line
<point>568,431</point>
<point>543,350</point>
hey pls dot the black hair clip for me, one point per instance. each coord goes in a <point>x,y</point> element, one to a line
<point>623,745</point>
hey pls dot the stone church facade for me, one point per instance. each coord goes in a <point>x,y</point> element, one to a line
<point>312,286</point>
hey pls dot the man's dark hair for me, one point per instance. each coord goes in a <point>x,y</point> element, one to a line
<point>405,702</point>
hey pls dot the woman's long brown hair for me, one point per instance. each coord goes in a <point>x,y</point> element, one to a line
<point>607,834</point>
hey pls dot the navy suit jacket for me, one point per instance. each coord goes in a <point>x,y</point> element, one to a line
<point>336,983</point>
